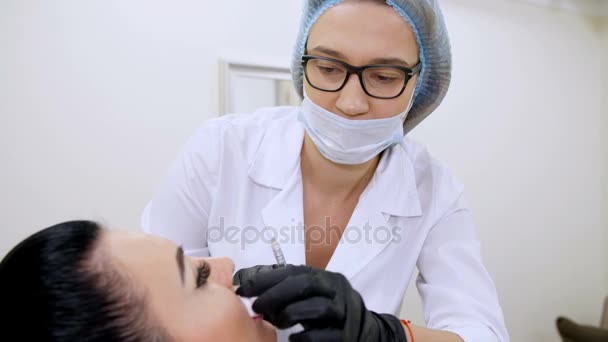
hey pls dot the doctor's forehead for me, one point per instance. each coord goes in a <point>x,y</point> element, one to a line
<point>364,30</point>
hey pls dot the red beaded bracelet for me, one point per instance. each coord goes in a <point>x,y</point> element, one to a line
<point>407,325</point>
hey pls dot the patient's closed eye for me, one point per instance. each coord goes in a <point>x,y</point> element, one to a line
<point>202,274</point>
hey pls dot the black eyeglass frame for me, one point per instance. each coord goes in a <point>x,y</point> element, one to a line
<point>409,73</point>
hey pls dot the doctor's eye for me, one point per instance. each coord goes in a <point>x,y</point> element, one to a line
<point>202,274</point>
<point>327,69</point>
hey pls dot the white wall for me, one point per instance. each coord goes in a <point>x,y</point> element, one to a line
<point>97,97</point>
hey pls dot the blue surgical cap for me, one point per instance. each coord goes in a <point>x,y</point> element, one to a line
<point>426,19</point>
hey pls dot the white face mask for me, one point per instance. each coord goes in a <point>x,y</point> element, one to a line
<point>346,141</point>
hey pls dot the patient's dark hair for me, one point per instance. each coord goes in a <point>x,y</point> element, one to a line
<point>57,285</point>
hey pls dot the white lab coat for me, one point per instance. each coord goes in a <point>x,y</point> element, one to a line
<point>238,182</point>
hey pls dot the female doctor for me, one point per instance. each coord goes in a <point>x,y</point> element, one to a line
<point>341,187</point>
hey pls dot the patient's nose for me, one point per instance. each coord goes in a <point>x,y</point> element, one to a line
<point>221,271</point>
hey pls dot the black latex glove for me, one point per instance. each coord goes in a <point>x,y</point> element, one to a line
<point>324,303</point>
<point>248,273</point>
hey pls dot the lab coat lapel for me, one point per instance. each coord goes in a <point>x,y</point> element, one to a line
<point>276,166</point>
<point>366,236</point>
<point>284,214</point>
<point>391,192</point>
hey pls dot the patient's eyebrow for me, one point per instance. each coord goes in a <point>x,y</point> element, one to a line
<point>179,257</point>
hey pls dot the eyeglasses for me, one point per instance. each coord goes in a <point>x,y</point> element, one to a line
<point>377,80</point>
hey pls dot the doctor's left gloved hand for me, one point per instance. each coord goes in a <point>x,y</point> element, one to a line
<point>247,273</point>
<point>324,303</point>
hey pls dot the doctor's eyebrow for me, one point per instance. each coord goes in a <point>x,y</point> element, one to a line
<point>338,55</point>
<point>179,258</point>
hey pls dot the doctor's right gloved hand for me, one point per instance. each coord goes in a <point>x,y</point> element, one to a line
<point>324,303</point>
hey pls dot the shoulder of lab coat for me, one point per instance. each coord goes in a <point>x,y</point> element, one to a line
<point>179,209</point>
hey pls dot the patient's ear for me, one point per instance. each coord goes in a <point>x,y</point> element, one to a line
<point>571,331</point>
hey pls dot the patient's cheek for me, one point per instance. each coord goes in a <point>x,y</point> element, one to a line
<point>215,313</point>
<point>268,332</point>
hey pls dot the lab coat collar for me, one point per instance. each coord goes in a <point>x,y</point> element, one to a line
<point>392,192</point>
<point>278,154</point>
<point>394,183</point>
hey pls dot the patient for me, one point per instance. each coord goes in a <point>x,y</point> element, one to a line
<point>76,281</point>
